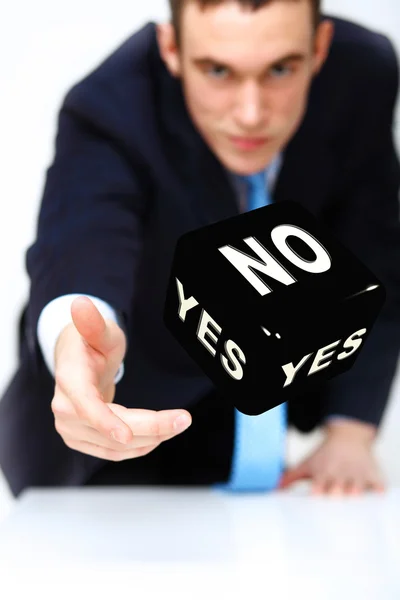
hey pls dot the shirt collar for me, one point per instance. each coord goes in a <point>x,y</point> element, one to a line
<point>271,175</point>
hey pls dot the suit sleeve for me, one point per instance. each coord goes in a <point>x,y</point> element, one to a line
<point>89,230</point>
<point>369,201</point>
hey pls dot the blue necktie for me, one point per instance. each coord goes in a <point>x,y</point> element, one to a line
<point>259,443</point>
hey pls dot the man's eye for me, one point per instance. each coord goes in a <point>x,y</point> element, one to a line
<point>280,70</point>
<point>217,72</point>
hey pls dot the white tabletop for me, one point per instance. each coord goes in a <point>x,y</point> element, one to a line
<point>177,543</point>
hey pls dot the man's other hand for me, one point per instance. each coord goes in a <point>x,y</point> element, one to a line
<point>343,464</point>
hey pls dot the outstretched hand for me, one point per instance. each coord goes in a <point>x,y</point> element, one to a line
<point>88,353</point>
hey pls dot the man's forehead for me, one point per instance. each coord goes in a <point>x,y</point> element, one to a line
<point>231,31</point>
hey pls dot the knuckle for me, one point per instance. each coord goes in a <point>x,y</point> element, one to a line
<point>60,406</point>
<point>61,378</point>
<point>103,429</point>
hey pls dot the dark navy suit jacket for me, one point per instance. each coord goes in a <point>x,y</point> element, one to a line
<point>130,175</point>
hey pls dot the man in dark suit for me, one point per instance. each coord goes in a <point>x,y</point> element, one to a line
<point>148,147</point>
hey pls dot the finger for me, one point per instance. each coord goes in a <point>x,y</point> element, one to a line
<point>143,422</point>
<point>93,328</point>
<point>329,485</point>
<point>79,431</point>
<point>318,487</point>
<point>76,394</point>
<point>108,453</point>
<point>336,488</point>
<point>293,475</point>
<point>376,484</point>
<point>62,407</point>
<point>353,487</point>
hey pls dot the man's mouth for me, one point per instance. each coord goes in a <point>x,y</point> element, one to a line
<point>248,143</point>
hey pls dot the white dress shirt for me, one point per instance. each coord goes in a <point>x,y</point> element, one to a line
<point>56,315</point>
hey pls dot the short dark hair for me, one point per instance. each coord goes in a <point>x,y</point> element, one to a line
<point>177,6</point>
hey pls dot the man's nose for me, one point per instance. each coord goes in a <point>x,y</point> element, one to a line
<point>250,110</point>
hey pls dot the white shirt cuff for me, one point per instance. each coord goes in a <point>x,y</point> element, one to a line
<point>56,315</point>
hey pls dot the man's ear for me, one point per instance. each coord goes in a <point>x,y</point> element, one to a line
<point>168,47</point>
<point>322,43</point>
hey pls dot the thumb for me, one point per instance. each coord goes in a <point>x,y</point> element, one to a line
<point>290,476</point>
<point>93,328</point>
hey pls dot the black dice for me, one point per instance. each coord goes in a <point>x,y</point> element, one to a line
<point>268,304</point>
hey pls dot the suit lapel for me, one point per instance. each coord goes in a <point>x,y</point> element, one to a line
<point>308,170</point>
<point>216,198</point>
<point>210,191</point>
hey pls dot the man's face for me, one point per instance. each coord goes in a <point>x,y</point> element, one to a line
<point>246,76</point>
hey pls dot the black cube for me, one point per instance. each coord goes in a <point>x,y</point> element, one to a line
<point>268,303</point>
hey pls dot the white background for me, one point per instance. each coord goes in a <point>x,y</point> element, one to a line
<point>45,47</point>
